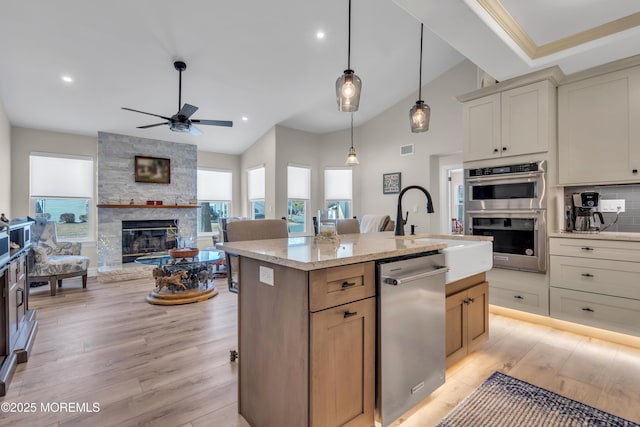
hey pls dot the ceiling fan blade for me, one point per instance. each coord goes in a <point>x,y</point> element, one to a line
<point>143,112</point>
<point>195,131</point>
<point>153,125</point>
<point>187,110</point>
<point>226,123</point>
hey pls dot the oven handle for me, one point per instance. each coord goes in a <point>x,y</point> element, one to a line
<point>504,178</point>
<point>507,212</point>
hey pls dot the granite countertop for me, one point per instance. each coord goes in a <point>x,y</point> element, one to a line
<point>305,253</point>
<point>605,235</point>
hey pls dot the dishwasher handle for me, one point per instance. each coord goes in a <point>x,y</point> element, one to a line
<point>400,280</point>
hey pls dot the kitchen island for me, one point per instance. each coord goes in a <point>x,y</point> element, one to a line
<point>307,314</point>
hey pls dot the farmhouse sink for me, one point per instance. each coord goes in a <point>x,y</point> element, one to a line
<point>463,257</point>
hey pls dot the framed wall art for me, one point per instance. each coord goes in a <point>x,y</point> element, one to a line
<point>391,183</point>
<point>152,169</point>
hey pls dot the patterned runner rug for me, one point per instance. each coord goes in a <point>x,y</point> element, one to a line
<point>504,401</point>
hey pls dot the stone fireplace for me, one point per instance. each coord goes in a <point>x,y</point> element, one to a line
<point>122,200</point>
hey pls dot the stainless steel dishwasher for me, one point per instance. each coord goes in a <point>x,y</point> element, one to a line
<point>411,332</point>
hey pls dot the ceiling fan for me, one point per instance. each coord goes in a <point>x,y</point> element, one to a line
<point>181,122</point>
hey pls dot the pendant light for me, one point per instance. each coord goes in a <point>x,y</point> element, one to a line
<point>348,85</point>
<point>352,157</point>
<point>420,113</point>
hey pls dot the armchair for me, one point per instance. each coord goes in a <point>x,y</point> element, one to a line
<point>54,261</point>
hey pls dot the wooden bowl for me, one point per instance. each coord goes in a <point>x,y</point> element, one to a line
<point>183,253</point>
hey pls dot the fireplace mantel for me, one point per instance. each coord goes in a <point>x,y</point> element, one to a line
<point>148,206</point>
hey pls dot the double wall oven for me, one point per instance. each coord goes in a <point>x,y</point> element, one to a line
<point>509,204</point>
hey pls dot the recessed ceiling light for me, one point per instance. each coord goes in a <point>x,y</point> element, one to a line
<point>320,35</point>
<point>67,79</point>
<point>245,118</point>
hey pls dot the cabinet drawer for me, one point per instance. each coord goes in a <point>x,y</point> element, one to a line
<point>600,311</point>
<point>333,286</point>
<point>593,248</point>
<point>533,300</point>
<point>615,278</point>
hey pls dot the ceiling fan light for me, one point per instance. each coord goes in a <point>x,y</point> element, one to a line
<point>348,88</point>
<point>177,126</point>
<point>352,158</point>
<point>420,115</point>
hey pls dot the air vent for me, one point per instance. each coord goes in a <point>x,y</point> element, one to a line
<point>406,150</point>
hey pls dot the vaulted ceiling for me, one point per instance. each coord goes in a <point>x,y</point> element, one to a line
<point>263,60</point>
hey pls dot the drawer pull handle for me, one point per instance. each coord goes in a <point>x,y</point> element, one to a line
<point>346,285</point>
<point>471,300</point>
<point>587,248</point>
<point>590,310</point>
<point>21,297</point>
<point>349,313</point>
<point>587,275</point>
<point>468,300</point>
<point>518,297</point>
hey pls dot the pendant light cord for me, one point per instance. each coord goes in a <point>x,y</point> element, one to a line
<point>351,130</point>
<point>420,78</point>
<point>349,38</point>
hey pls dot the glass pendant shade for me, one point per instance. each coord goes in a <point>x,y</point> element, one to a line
<point>419,115</point>
<point>352,158</point>
<point>348,88</point>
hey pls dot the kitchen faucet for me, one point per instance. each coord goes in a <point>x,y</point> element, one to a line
<point>401,222</point>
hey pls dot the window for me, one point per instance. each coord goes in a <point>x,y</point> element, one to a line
<point>338,192</point>
<point>256,190</point>
<point>298,195</point>
<point>456,200</point>
<point>214,198</point>
<point>61,190</point>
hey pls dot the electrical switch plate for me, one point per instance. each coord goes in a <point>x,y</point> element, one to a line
<point>266,275</point>
<point>612,205</point>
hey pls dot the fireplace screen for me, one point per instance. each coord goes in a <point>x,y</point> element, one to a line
<point>148,237</point>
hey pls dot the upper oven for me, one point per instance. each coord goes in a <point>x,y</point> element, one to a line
<point>520,186</point>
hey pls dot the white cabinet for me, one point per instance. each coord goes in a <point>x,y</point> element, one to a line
<point>596,283</point>
<point>516,121</point>
<point>599,130</point>
<point>519,290</point>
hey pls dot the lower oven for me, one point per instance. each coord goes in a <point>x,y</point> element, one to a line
<point>519,237</point>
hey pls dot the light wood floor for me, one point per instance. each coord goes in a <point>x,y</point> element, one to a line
<point>169,366</point>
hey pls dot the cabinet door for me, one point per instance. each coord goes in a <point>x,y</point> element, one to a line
<point>527,114</point>
<point>481,128</point>
<point>12,300</point>
<point>478,315</point>
<point>4,285</point>
<point>343,365</point>
<point>456,331</point>
<point>598,129</point>
<point>22,289</point>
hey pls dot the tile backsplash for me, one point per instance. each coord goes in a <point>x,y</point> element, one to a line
<point>629,221</point>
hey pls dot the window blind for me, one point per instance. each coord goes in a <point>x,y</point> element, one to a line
<point>214,185</point>
<point>298,183</point>
<point>338,184</point>
<point>256,183</point>
<point>54,176</point>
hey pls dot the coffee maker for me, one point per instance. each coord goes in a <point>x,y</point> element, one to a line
<point>584,211</point>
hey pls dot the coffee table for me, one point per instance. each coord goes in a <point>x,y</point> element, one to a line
<point>183,281</point>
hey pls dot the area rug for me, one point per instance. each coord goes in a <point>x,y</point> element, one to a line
<point>504,401</point>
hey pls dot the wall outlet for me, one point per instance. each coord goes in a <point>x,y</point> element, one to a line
<point>266,275</point>
<point>612,205</point>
